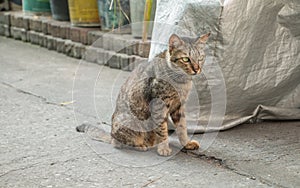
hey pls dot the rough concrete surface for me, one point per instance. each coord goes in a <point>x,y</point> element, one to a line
<point>39,146</point>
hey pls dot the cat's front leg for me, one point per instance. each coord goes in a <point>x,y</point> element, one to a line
<point>159,113</point>
<point>163,148</point>
<point>179,121</point>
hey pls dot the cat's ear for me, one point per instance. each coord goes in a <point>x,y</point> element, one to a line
<point>175,41</point>
<point>203,38</point>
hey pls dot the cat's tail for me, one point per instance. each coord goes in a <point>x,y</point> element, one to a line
<point>95,133</point>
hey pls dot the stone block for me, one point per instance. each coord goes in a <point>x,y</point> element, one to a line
<point>45,23</point>
<point>131,47</point>
<point>107,41</point>
<point>124,62</point>
<point>5,30</point>
<point>68,47</point>
<point>18,33</point>
<point>119,44</point>
<point>74,49</point>
<point>113,60</point>
<point>55,32</point>
<point>34,37</point>
<point>26,22</point>
<point>75,34</point>
<point>101,57</point>
<point>16,20</point>
<point>5,18</point>
<point>51,42</point>
<point>95,38</point>
<point>44,41</point>
<point>80,34</point>
<point>60,45</point>
<point>78,50</point>
<point>134,61</point>
<point>65,31</point>
<point>35,24</point>
<point>91,54</point>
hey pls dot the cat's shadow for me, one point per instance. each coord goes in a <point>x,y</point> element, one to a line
<point>131,157</point>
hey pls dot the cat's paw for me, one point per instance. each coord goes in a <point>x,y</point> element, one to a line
<point>164,151</point>
<point>192,145</point>
<point>141,148</point>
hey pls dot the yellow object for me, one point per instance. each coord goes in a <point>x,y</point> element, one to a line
<point>84,12</point>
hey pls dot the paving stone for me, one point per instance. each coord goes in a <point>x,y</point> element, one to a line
<point>119,44</point>
<point>35,24</point>
<point>91,54</point>
<point>18,33</point>
<point>68,47</point>
<point>131,47</point>
<point>26,20</point>
<point>95,38</point>
<point>45,26</point>
<point>121,49</point>
<point>113,60</point>
<point>78,50</point>
<point>60,45</point>
<point>101,57</point>
<point>51,42</point>
<point>80,34</point>
<point>75,34</point>
<point>5,18</point>
<point>5,30</point>
<point>107,41</point>
<point>74,49</point>
<point>124,62</point>
<point>44,41</point>
<point>16,20</point>
<point>65,30</point>
<point>34,37</point>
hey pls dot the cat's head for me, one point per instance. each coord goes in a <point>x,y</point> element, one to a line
<point>187,53</point>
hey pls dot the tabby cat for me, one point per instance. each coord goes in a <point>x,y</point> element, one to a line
<point>155,91</point>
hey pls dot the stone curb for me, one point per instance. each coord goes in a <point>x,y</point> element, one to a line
<point>119,51</point>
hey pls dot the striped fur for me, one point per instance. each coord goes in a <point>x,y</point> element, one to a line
<point>155,91</point>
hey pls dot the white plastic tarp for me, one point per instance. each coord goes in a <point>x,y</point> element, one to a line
<point>252,70</point>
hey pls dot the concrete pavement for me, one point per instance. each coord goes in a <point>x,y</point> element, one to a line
<point>41,104</point>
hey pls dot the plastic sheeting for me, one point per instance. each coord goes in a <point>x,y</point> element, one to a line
<point>252,70</point>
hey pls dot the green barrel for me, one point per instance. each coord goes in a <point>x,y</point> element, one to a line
<point>36,6</point>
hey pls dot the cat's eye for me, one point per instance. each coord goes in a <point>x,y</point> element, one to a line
<point>186,59</point>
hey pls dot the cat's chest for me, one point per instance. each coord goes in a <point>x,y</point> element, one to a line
<point>171,93</point>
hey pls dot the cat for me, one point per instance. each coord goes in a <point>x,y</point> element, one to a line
<point>155,91</point>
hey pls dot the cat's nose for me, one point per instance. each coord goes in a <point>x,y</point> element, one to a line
<point>197,72</point>
<point>196,69</point>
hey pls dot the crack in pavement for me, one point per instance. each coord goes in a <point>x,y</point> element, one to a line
<point>41,163</point>
<point>219,161</point>
<point>223,163</point>
<point>18,169</point>
<point>44,99</point>
<point>29,93</point>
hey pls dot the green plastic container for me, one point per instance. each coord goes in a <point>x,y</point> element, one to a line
<point>113,14</point>
<point>37,6</point>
